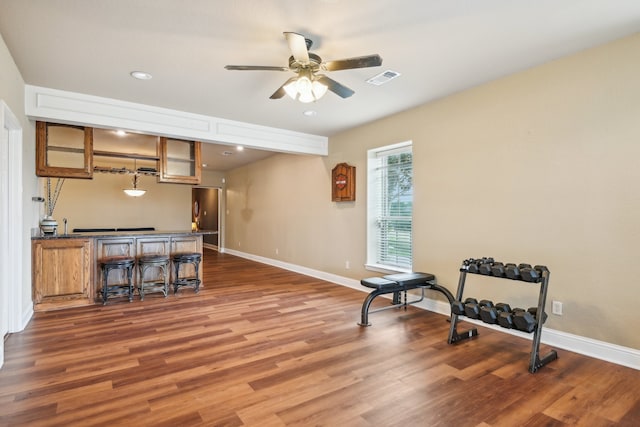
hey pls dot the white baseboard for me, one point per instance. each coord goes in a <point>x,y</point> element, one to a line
<point>26,317</point>
<point>602,350</point>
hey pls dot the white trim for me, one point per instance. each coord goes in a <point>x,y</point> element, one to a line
<point>11,250</point>
<point>386,269</point>
<point>624,356</point>
<point>76,108</point>
<point>374,187</point>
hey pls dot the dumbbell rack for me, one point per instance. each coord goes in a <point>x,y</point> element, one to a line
<point>535,362</point>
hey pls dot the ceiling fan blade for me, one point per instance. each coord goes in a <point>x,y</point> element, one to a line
<point>335,87</point>
<point>255,67</point>
<point>356,62</point>
<point>281,92</point>
<point>298,47</point>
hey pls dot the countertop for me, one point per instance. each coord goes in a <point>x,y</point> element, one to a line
<point>107,234</point>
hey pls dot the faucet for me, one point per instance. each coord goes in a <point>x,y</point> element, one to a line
<point>65,225</point>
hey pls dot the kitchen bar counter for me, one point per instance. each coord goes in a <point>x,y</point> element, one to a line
<point>66,271</point>
<point>105,234</point>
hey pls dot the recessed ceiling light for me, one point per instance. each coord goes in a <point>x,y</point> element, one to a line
<point>120,132</point>
<point>309,113</point>
<point>204,165</point>
<point>141,75</point>
<point>239,148</point>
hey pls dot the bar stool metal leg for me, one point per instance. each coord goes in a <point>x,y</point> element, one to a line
<point>149,261</point>
<point>117,263</point>
<point>184,259</point>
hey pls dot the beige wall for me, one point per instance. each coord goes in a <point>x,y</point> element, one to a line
<point>100,202</point>
<point>12,93</point>
<point>538,167</point>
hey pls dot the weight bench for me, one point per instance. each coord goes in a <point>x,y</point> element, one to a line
<point>397,283</point>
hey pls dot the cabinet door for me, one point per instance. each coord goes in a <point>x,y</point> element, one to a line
<point>180,161</point>
<point>62,273</point>
<point>64,151</point>
<point>152,246</point>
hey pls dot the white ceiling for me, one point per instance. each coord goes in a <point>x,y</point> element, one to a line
<point>439,46</point>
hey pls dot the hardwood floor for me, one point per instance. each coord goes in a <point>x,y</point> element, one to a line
<point>260,346</point>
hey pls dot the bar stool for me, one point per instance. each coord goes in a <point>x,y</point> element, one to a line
<point>186,258</point>
<point>117,263</point>
<point>154,284</point>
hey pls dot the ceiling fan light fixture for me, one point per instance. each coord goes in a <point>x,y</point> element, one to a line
<point>291,90</point>
<point>319,89</point>
<point>305,90</point>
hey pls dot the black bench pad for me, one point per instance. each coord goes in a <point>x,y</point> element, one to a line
<point>397,282</point>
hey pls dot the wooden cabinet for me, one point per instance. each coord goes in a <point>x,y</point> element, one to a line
<point>66,271</point>
<point>62,273</point>
<point>180,161</point>
<point>67,151</point>
<point>152,246</point>
<point>64,151</point>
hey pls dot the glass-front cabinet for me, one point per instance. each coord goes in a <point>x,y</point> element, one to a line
<point>64,151</point>
<point>180,161</point>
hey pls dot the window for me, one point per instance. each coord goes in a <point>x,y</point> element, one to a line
<point>390,207</point>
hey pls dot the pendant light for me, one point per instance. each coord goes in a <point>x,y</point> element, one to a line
<point>135,191</point>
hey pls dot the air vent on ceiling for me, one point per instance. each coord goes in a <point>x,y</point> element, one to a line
<point>383,77</point>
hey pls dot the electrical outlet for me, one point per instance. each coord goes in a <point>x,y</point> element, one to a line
<point>277,251</point>
<point>556,308</point>
<point>347,265</point>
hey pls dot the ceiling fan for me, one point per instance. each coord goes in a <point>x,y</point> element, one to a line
<point>307,85</point>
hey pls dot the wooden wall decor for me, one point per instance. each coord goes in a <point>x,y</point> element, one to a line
<point>343,183</point>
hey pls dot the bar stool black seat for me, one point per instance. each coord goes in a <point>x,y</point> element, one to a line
<point>156,283</point>
<point>117,289</point>
<point>186,258</point>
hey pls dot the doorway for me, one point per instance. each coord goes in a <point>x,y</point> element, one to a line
<point>206,214</point>
<point>11,262</point>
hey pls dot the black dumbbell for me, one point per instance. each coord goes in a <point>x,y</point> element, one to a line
<point>471,308</point>
<point>533,274</point>
<point>524,321</point>
<point>457,307</point>
<point>485,268</point>
<point>473,268</point>
<point>512,271</point>
<point>488,312</point>
<point>497,269</point>
<point>503,306</point>
<point>491,314</point>
<point>534,312</point>
<point>505,318</point>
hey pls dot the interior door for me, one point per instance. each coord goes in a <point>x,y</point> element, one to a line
<point>206,214</point>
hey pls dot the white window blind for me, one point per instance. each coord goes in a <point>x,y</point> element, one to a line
<point>390,206</point>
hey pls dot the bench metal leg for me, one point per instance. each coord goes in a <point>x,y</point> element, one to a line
<point>395,303</point>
